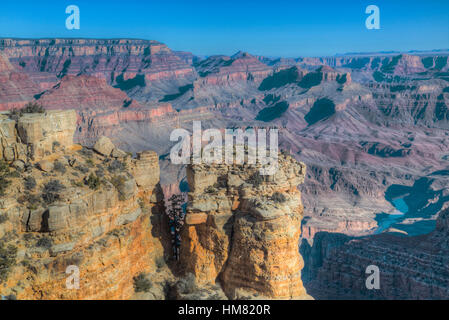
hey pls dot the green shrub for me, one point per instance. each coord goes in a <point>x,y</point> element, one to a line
<point>210,189</point>
<point>117,165</point>
<point>51,191</point>
<point>93,182</point>
<point>7,260</point>
<point>33,107</point>
<point>3,218</point>
<point>90,163</point>
<point>60,167</point>
<point>141,283</point>
<point>187,285</point>
<point>82,169</point>
<point>44,242</point>
<point>255,179</point>
<point>4,173</point>
<point>160,262</point>
<point>32,201</point>
<point>30,183</point>
<point>278,197</point>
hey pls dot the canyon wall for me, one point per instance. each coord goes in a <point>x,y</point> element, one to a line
<point>242,229</point>
<point>100,211</point>
<point>410,267</point>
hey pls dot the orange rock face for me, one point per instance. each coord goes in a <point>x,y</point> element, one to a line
<point>111,230</point>
<point>243,231</point>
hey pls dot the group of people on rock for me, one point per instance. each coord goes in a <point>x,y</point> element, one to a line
<point>176,217</point>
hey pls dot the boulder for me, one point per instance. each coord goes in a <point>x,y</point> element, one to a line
<point>104,146</point>
<point>18,165</point>
<point>45,165</point>
<point>117,153</point>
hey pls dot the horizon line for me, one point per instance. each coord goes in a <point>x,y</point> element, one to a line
<point>348,54</point>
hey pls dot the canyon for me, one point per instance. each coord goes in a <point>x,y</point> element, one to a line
<point>369,128</point>
<point>102,211</point>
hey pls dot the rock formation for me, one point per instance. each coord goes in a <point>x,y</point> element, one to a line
<point>34,136</point>
<point>242,230</point>
<point>100,213</point>
<point>410,267</point>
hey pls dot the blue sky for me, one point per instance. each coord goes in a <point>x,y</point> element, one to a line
<point>271,28</point>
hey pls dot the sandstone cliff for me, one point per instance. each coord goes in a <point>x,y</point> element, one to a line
<point>66,205</point>
<point>242,230</point>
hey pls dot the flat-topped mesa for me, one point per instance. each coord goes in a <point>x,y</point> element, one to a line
<point>35,135</point>
<point>242,229</point>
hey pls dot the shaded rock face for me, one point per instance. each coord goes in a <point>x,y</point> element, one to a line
<point>410,267</point>
<point>34,136</point>
<point>111,228</point>
<point>238,235</point>
<point>223,70</point>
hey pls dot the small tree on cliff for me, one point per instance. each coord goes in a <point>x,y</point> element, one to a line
<point>176,221</point>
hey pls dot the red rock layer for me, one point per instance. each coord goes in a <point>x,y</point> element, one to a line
<point>16,88</point>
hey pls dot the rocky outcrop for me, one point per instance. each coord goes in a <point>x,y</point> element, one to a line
<point>410,267</point>
<point>34,136</point>
<point>100,215</point>
<point>242,230</point>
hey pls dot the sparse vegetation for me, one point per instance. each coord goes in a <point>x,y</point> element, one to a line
<point>93,182</point>
<point>77,184</point>
<point>255,179</point>
<point>278,197</point>
<point>99,173</point>
<point>60,167</point>
<point>4,174</point>
<point>90,163</point>
<point>86,152</point>
<point>210,189</point>
<point>141,283</point>
<point>44,242</point>
<point>31,107</point>
<point>55,145</point>
<point>7,260</point>
<point>118,182</point>
<point>3,218</point>
<point>187,285</point>
<point>160,262</point>
<point>116,165</point>
<point>82,169</point>
<point>51,191</point>
<point>32,201</point>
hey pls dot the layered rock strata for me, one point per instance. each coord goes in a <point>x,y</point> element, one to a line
<point>76,209</point>
<point>242,229</point>
<point>409,267</point>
